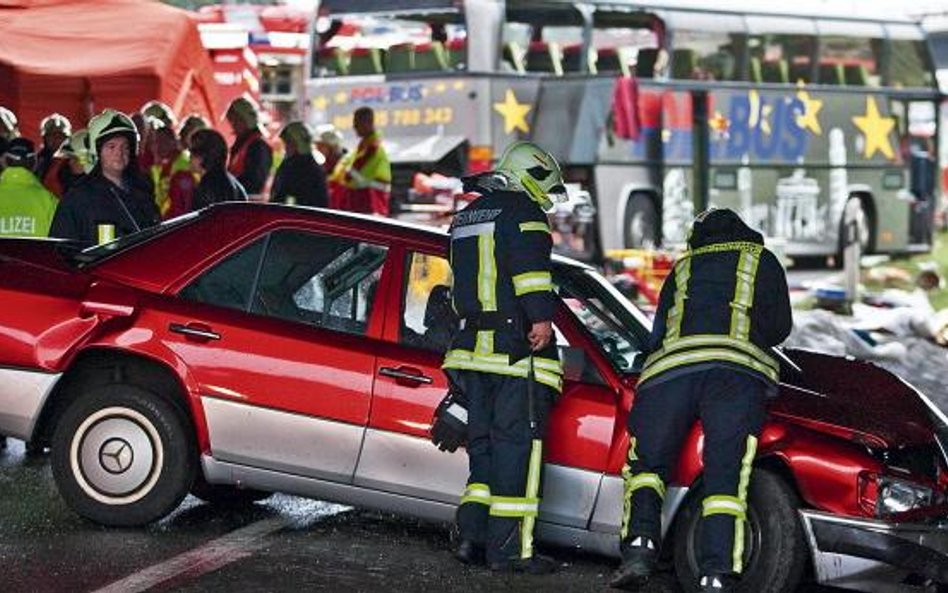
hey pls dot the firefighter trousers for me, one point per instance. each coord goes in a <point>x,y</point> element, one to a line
<point>499,506</point>
<point>731,406</point>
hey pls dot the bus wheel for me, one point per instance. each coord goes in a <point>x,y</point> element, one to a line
<point>867,234</point>
<point>775,549</point>
<point>641,223</point>
<point>865,224</point>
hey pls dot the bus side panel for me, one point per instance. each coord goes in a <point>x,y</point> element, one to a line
<point>787,160</point>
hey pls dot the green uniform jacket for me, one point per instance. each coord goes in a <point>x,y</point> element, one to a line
<point>26,207</point>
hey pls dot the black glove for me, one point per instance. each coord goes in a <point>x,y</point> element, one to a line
<point>449,425</point>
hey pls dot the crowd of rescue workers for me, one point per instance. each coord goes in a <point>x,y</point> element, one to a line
<point>722,309</point>
<point>126,172</point>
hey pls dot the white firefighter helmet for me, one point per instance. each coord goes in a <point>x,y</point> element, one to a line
<point>55,122</point>
<point>107,124</point>
<point>8,124</point>
<point>528,167</point>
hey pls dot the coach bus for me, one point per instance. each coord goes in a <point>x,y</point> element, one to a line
<point>655,109</point>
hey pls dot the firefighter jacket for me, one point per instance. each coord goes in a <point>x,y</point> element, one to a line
<point>500,259</point>
<point>725,303</point>
<point>367,176</point>
<point>250,161</point>
<point>54,172</point>
<point>174,185</point>
<point>26,207</point>
<point>95,201</point>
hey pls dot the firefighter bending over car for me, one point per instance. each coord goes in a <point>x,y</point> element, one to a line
<point>503,294</point>
<point>721,310</point>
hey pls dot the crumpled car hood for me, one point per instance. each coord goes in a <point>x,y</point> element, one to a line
<point>854,399</point>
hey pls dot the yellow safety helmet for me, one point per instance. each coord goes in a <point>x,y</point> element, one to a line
<point>297,134</point>
<point>244,110</point>
<point>77,147</point>
<point>529,168</point>
<point>107,124</point>
<point>8,124</point>
<point>55,122</point>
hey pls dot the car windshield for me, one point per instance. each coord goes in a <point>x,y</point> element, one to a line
<point>620,329</point>
<point>95,254</point>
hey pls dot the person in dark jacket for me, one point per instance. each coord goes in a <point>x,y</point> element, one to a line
<point>114,199</point>
<point>52,168</point>
<point>250,155</point>
<point>208,160</point>
<point>300,180</point>
<point>504,357</point>
<point>720,312</point>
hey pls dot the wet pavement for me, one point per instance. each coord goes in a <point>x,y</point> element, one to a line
<point>284,544</point>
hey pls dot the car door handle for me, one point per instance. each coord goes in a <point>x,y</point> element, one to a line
<point>400,373</point>
<point>195,330</point>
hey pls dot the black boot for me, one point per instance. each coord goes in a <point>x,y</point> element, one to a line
<point>3,442</point>
<point>639,557</point>
<point>470,553</point>
<point>717,583</point>
<point>535,564</point>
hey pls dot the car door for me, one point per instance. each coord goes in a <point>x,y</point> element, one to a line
<point>280,338</point>
<point>398,456</point>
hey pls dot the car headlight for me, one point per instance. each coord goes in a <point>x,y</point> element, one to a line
<point>899,496</point>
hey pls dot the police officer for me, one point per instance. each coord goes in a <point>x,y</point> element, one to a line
<point>114,199</point>
<point>26,207</point>
<point>720,311</point>
<point>250,155</point>
<point>503,293</point>
<point>300,179</point>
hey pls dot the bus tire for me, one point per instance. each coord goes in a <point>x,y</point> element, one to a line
<point>866,220</point>
<point>641,222</point>
<point>775,549</point>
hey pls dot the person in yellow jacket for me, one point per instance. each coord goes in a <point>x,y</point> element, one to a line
<point>26,207</point>
<point>366,173</point>
<point>170,172</point>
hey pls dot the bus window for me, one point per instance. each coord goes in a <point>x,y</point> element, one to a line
<point>379,44</point>
<point>707,46</point>
<point>781,50</point>
<point>909,64</point>
<point>850,53</point>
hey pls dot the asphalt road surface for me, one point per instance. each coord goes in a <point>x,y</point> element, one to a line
<point>285,544</point>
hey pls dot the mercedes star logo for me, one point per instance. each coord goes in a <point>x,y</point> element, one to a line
<point>116,456</point>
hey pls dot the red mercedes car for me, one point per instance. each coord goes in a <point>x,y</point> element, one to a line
<point>253,348</point>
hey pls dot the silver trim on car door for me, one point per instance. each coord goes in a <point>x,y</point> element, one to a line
<point>282,441</point>
<point>22,397</point>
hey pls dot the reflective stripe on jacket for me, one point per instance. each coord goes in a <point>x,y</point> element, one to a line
<point>724,303</point>
<point>500,258</point>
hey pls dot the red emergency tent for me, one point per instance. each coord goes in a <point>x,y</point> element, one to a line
<point>78,57</point>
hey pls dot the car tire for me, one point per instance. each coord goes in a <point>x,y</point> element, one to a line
<point>775,550</point>
<point>641,223</point>
<point>123,456</point>
<point>225,495</point>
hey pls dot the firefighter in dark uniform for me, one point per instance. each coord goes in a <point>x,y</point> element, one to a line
<point>503,294</point>
<point>722,308</point>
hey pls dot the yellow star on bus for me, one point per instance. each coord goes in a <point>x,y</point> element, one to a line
<point>808,120</point>
<point>513,112</point>
<point>876,130</point>
<point>341,98</point>
<point>320,103</point>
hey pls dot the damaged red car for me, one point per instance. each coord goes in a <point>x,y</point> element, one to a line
<point>251,348</point>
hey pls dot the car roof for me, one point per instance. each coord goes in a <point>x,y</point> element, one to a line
<point>161,260</point>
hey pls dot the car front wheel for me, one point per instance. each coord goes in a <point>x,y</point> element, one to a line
<point>123,456</point>
<point>775,552</point>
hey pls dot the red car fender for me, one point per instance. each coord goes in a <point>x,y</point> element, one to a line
<point>145,343</point>
<point>825,469</point>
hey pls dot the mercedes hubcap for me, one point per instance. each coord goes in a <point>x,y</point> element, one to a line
<point>116,455</point>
